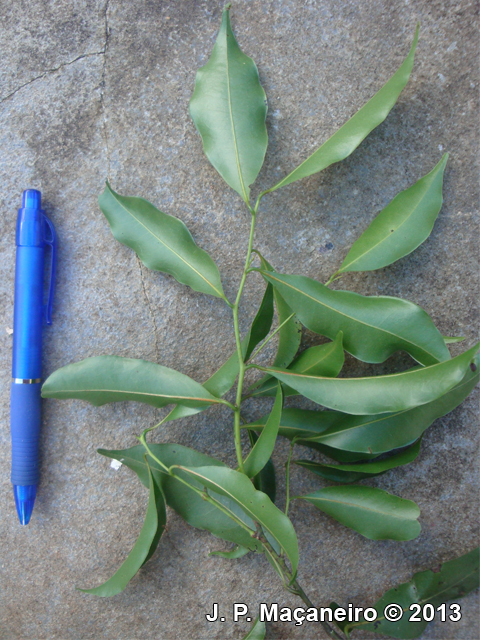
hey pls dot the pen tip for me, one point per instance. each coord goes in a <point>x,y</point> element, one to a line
<point>24,501</point>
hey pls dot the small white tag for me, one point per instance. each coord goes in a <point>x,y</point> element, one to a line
<point>116,464</point>
<point>9,331</point>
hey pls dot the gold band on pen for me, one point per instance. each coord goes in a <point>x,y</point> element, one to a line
<point>27,380</point>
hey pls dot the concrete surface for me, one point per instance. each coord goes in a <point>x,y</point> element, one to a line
<point>90,90</point>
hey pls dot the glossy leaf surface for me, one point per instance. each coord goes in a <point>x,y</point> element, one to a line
<point>379,433</point>
<point>374,327</point>
<point>323,360</point>
<point>289,334</point>
<point>162,242</point>
<point>352,472</point>
<point>455,579</point>
<point>237,488</point>
<point>113,379</point>
<point>380,394</point>
<point>153,527</point>
<point>264,446</point>
<point>262,322</point>
<point>374,513</point>
<point>348,137</point>
<point>229,108</point>
<point>182,499</point>
<point>257,632</point>
<point>265,480</point>
<point>401,227</point>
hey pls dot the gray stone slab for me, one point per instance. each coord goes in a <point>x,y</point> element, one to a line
<point>91,90</point>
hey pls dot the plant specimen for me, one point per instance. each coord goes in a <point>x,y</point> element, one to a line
<point>368,424</point>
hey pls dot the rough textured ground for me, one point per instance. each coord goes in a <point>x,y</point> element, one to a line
<point>90,90</point>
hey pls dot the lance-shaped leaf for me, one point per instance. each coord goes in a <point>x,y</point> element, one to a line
<point>401,227</point>
<point>262,322</point>
<point>114,379</point>
<point>380,394</point>
<point>264,446</point>
<point>162,242</point>
<point>374,513</point>
<point>323,360</point>
<point>455,579</point>
<point>147,542</point>
<point>453,339</point>
<point>229,108</point>
<point>373,327</point>
<point>374,434</point>
<point>234,554</point>
<point>351,134</point>
<point>265,480</point>
<point>347,473</point>
<point>181,498</point>
<point>257,632</point>
<point>237,488</point>
<point>289,333</point>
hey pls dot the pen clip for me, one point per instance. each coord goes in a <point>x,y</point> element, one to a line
<point>51,240</point>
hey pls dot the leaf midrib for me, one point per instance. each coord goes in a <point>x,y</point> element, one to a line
<point>166,245</point>
<point>234,135</point>
<point>138,393</point>
<point>356,506</point>
<point>408,341</point>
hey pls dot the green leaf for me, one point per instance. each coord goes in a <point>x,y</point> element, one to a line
<point>348,137</point>
<point>453,339</point>
<point>380,394</point>
<point>289,334</point>
<point>262,322</point>
<point>257,632</point>
<point>401,227</point>
<point>234,554</point>
<point>374,327</point>
<point>264,480</point>
<point>162,242</point>
<point>263,448</point>
<point>113,379</point>
<point>455,579</point>
<point>182,499</point>
<point>229,108</point>
<point>237,488</point>
<point>153,527</point>
<point>352,472</point>
<point>375,434</point>
<point>324,360</point>
<point>374,513</point>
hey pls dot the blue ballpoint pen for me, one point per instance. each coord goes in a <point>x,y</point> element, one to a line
<point>34,233</point>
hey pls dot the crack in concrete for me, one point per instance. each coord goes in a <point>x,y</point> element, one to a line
<point>103,86</point>
<point>50,71</point>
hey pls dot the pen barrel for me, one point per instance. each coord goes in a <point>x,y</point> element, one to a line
<point>25,416</point>
<point>28,312</point>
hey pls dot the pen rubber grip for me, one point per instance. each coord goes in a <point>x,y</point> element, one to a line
<point>25,419</point>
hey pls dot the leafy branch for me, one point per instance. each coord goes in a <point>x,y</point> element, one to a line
<point>369,424</point>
